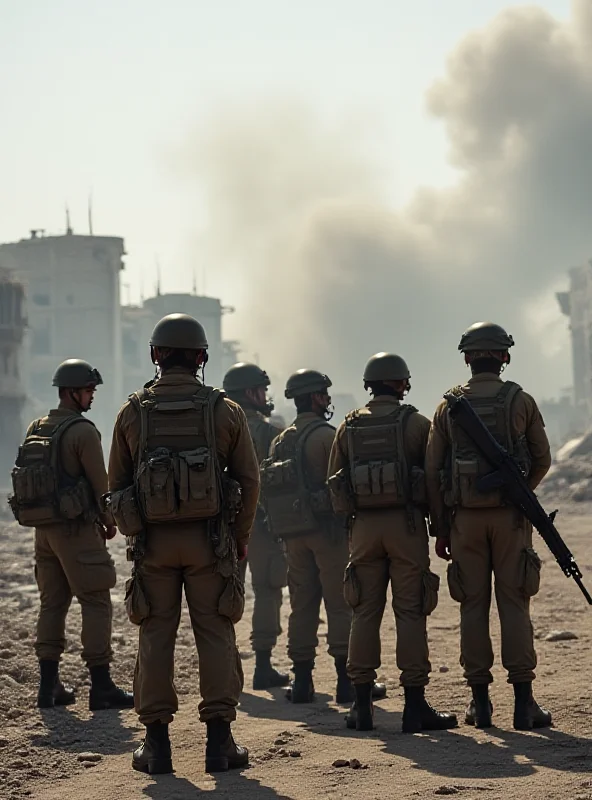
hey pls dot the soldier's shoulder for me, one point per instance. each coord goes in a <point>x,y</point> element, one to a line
<point>35,423</point>
<point>525,401</point>
<point>323,432</point>
<point>419,419</point>
<point>441,410</point>
<point>227,412</point>
<point>128,410</point>
<point>81,431</point>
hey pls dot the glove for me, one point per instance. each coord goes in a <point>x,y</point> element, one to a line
<point>443,547</point>
<point>108,531</point>
<point>241,551</point>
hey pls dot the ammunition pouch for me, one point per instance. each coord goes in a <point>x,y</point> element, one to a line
<point>123,505</point>
<point>77,501</point>
<point>430,589</point>
<point>379,475</point>
<point>178,486</point>
<point>455,586</point>
<point>174,484</point>
<point>378,484</point>
<point>340,492</point>
<point>231,603</point>
<point>136,602</point>
<point>352,591</point>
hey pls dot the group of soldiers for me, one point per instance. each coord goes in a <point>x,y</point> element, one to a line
<point>201,482</point>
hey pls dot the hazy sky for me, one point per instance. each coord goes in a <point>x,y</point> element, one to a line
<point>103,95</point>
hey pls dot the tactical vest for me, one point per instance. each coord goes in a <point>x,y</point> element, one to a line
<point>379,476</point>
<point>465,464</point>
<point>293,505</point>
<point>43,493</point>
<point>177,476</point>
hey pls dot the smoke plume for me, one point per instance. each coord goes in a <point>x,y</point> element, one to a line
<point>331,273</point>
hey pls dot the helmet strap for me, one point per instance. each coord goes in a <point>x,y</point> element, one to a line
<point>73,396</point>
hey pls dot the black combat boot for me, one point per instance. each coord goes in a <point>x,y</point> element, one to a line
<point>48,676</point>
<point>418,714</point>
<point>153,756</point>
<point>222,753</point>
<point>527,712</point>
<point>52,691</point>
<point>265,676</point>
<point>301,689</point>
<point>378,691</point>
<point>63,695</point>
<point>344,691</point>
<point>104,693</point>
<point>480,708</point>
<point>361,714</point>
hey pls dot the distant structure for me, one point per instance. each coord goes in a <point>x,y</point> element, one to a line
<point>576,303</point>
<point>12,393</point>
<point>137,324</point>
<point>72,287</point>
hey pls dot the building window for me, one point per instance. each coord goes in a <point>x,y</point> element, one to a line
<point>41,299</point>
<point>70,299</point>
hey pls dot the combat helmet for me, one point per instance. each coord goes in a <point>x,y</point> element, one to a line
<point>386,367</point>
<point>179,332</point>
<point>74,373</point>
<point>243,376</point>
<point>306,381</point>
<point>486,337</point>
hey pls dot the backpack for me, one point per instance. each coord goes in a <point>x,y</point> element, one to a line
<point>43,493</point>
<point>379,476</point>
<point>262,433</point>
<point>466,465</point>
<point>178,477</point>
<point>292,505</point>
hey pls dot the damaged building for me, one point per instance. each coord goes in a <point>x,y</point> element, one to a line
<point>73,298</point>
<point>12,393</point>
<point>72,287</point>
<point>576,304</point>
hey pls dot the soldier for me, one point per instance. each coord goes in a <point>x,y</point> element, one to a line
<point>298,511</point>
<point>376,476</point>
<point>59,479</point>
<point>176,445</point>
<point>483,535</point>
<point>247,385</point>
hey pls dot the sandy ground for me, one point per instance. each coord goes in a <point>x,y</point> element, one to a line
<point>293,748</point>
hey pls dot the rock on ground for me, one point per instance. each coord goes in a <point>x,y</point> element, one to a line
<point>71,754</point>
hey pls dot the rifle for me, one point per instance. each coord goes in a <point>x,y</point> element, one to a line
<point>221,528</point>
<point>508,477</point>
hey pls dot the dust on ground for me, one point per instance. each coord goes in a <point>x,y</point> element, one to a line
<point>71,754</point>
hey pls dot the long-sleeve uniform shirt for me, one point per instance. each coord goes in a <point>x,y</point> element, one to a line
<point>526,420</point>
<point>234,446</point>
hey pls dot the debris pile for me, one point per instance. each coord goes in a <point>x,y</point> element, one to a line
<point>570,477</point>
